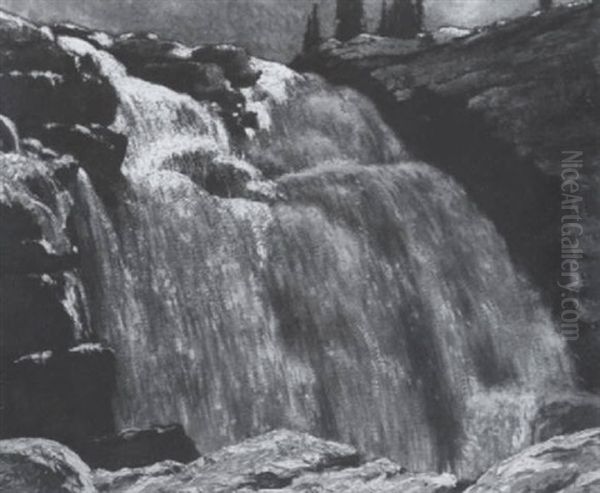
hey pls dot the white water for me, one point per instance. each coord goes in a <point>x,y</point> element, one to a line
<point>370,303</point>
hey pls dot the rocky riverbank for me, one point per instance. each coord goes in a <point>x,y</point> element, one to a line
<point>286,462</point>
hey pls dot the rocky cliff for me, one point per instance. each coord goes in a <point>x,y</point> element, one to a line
<point>499,110</point>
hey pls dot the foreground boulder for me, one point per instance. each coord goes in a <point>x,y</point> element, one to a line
<point>281,460</point>
<point>564,414</point>
<point>138,448</point>
<point>564,464</point>
<point>32,465</point>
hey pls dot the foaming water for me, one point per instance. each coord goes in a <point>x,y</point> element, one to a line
<point>368,302</point>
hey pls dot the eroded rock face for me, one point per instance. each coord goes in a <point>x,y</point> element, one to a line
<point>564,464</point>
<point>33,465</point>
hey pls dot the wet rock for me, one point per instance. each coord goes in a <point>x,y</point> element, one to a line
<point>24,46</point>
<point>15,29</point>
<point>380,476</point>
<point>98,39</point>
<point>565,414</point>
<point>41,82</point>
<point>137,448</point>
<point>280,461</point>
<point>202,81</point>
<point>137,49</point>
<point>33,465</point>
<point>9,137</point>
<point>99,150</point>
<point>61,394</point>
<point>130,480</point>
<point>33,98</point>
<point>564,464</point>
<point>234,61</point>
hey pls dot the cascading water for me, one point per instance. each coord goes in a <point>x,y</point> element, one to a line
<point>367,300</point>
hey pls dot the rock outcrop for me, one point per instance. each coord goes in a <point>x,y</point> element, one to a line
<point>40,82</point>
<point>64,395</point>
<point>33,465</point>
<point>564,464</point>
<point>138,448</point>
<point>280,461</point>
<point>563,414</point>
<point>99,150</point>
<point>497,110</point>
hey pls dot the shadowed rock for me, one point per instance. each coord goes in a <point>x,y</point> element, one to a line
<point>566,414</point>
<point>565,464</point>
<point>282,461</point>
<point>61,395</point>
<point>137,448</point>
<point>98,149</point>
<point>33,465</point>
<point>234,60</point>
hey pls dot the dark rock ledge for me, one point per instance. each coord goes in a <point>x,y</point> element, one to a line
<point>496,109</point>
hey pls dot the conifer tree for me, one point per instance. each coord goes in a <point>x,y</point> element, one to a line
<point>420,15</point>
<point>384,25</point>
<point>545,4</point>
<point>403,21</point>
<point>350,19</point>
<point>312,36</point>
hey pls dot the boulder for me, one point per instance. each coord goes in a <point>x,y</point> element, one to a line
<point>130,480</point>
<point>33,98</point>
<point>280,461</point>
<point>33,465</point>
<point>202,81</point>
<point>138,448</point>
<point>61,394</point>
<point>564,464</point>
<point>99,150</point>
<point>98,39</point>
<point>16,30</point>
<point>234,60</point>
<point>560,415</point>
<point>137,49</point>
<point>380,476</point>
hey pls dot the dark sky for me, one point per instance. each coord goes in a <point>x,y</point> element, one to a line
<point>269,28</point>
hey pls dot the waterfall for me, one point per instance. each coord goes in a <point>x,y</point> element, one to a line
<point>366,300</point>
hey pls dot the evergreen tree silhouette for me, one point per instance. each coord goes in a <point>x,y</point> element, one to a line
<point>545,4</point>
<point>312,36</point>
<point>420,15</point>
<point>384,24</point>
<point>403,22</point>
<point>349,15</point>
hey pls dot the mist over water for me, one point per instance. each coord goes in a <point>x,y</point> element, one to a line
<point>364,298</point>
